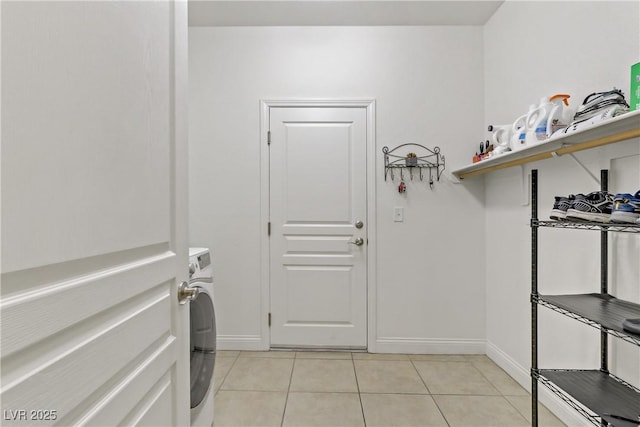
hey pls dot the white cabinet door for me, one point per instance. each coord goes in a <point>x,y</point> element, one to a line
<point>93,214</point>
<point>317,195</point>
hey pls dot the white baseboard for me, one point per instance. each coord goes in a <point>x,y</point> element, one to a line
<point>241,342</point>
<point>429,346</point>
<point>522,375</point>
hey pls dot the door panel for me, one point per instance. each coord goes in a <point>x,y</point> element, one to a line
<point>93,214</point>
<point>133,330</point>
<point>134,389</point>
<point>37,315</point>
<point>317,193</point>
<point>310,149</point>
<point>101,102</point>
<point>318,292</point>
<point>155,408</point>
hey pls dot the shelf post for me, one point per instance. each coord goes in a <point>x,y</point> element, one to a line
<point>534,298</point>
<point>604,277</point>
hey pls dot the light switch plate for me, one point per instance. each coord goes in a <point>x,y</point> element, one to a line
<point>398,214</point>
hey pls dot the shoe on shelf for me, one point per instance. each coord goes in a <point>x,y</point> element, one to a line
<point>562,204</point>
<point>594,207</point>
<point>626,208</point>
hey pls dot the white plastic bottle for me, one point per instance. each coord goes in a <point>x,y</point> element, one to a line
<point>519,131</point>
<point>501,138</point>
<point>537,122</point>
<point>560,115</point>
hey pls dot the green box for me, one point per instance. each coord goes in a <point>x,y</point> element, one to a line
<point>635,87</point>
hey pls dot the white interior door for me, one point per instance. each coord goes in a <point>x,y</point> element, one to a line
<point>94,214</point>
<point>318,275</point>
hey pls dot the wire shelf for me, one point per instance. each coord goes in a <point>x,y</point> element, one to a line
<point>593,394</point>
<point>594,419</point>
<point>616,227</point>
<point>600,311</point>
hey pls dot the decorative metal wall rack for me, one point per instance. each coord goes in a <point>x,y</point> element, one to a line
<point>412,157</point>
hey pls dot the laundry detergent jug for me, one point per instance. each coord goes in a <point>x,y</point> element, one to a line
<point>501,138</point>
<point>519,131</point>
<point>537,122</point>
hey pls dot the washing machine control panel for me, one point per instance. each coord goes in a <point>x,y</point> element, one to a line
<point>199,263</point>
<point>204,261</point>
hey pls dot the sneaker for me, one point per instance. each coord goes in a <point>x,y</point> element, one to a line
<point>597,102</point>
<point>595,207</point>
<point>626,208</point>
<point>562,204</point>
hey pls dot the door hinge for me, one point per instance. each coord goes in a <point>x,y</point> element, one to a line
<point>269,137</point>
<point>269,319</point>
<point>268,229</point>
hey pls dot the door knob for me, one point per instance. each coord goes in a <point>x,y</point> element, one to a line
<point>187,293</point>
<point>358,242</point>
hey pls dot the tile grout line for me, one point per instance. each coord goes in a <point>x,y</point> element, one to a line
<point>498,390</point>
<point>420,376</point>
<point>514,407</point>
<point>487,378</point>
<point>355,374</point>
<point>429,391</point>
<point>235,359</point>
<point>286,401</point>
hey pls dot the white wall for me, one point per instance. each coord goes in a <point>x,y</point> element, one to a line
<point>428,85</point>
<point>535,49</point>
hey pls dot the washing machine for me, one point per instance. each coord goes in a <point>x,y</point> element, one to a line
<point>202,337</point>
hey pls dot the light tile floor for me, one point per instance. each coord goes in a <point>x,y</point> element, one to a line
<point>299,389</point>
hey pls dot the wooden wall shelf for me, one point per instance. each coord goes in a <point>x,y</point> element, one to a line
<point>620,128</point>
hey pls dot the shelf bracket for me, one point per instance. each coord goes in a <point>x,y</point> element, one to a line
<point>591,174</point>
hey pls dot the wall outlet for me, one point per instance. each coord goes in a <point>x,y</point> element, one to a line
<point>398,214</point>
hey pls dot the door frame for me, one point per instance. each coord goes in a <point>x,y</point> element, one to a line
<point>265,288</point>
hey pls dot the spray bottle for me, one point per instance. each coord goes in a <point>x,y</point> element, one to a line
<point>560,116</point>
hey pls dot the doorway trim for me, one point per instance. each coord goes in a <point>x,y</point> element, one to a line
<point>265,290</point>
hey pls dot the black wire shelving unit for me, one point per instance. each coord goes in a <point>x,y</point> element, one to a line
<point>593,393</point>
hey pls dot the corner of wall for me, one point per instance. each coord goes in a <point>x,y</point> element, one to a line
<point>522,375</point>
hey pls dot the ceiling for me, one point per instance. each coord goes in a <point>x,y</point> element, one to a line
<point>337,13</point>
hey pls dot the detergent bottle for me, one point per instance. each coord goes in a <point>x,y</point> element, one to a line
<point>560,115</point>
<point>537,122</point>
<point>519,131</point>
<point>501,138</point>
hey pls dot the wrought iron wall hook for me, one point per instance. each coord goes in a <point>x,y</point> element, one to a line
<point>428,158</point>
